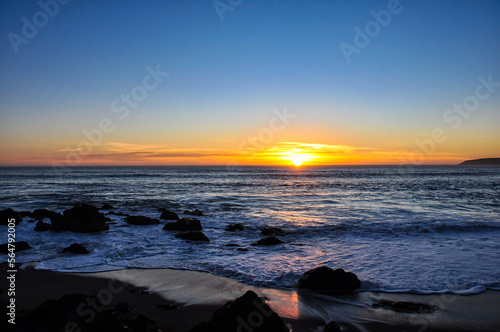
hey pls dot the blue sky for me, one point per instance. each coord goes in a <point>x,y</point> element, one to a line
<point>226,76</point>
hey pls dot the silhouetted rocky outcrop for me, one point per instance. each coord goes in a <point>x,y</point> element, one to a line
<point>76,248</point>
<point>273,231</point>
<point>43,213</point>
<point>169,215</point>
<point>194,212</point>
<point>184,224</point>
<point>235,227</point>
<point>107,207</point>
<point>482,162</point>
<point>41,226</point>
<point>268,241</point>
<point>7,214</point>
<point>81,218</point>
<point>19,246</point>
<point>141,220</point>
<point>193,236</point>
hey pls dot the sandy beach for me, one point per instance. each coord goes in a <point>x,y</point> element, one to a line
<point>179,300</point>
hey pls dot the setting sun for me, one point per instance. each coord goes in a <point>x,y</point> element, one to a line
<point>297,160</point>
<point>297,157</point>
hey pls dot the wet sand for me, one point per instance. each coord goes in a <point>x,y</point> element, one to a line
<point>197,295</point>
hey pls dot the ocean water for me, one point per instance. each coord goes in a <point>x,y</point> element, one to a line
<point>422,229</point>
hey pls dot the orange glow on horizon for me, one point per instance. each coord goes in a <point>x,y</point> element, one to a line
<point>295,154</point>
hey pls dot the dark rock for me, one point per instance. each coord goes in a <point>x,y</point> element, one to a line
<point>324,278</point>
<point>43,213</point>
<point>241,315</point>
<point>268,241</point>
<point>184,224</point>
<point>81,218</point>
<point>59,223</point>
<point>332,327</point>
<point>55,315</point>
<point>273,231</point>
<point>141,220</point>
<point>235,227</point>
<point>107,207</point>
<point>193,236</point>
<point>403,306</point>
<point>41,226</point>
<point>167,306</point>
<point>169,215</point>
<point>19,246</point>
<point>26,214</point>
<point>76,248</point>
<point>7,214</point>
<point>195,212</point>
<point>242,249</point>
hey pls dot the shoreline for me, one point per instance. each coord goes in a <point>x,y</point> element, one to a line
<point>196,295</point>
<point>474,290</point>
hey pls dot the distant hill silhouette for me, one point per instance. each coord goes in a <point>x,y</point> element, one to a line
<point>482,162</point>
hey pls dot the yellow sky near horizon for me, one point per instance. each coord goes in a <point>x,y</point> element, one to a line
<point>279,153</point>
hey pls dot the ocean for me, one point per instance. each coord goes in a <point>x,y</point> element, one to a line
<point>425,229</point>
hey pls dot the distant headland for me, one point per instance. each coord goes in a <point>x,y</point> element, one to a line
<point>482,162</point>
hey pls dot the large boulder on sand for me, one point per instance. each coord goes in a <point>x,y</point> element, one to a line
<point>80,218</point>
<point>169,215</point>
<point>141,220</point>
<point>7,214</point>
<point>242,315</point>
<point>324,278</point>
<point>184,224</point>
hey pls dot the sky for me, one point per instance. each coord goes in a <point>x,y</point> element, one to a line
<point>244,82</point>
